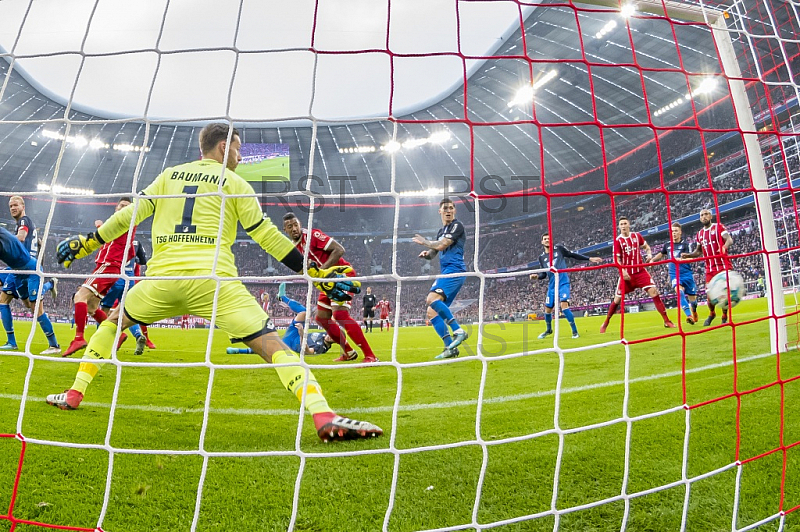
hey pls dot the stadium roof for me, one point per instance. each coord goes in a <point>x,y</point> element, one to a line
<point>493,128</point>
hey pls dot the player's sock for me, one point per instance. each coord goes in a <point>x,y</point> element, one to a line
<point>294,306</point>
<point>711,309</point>
<point>693,304</point>
<point>99,316</point>
<point>443,310</point>
<point>612,308</point>
<point>295,379</point>
<point>99,348</point>
<point>335,332</point>
<point>548,321</point>
<point>660,307</point>
<point>8,323</point>
<point>365,325</point>
<point>353,331</point>
<point>685,304</point>
<point>47,328</point>
<point>370,325</point>
<point>441,330</point>
<point>81,318</point>
<point>135,330</point>
<point>571,319</point>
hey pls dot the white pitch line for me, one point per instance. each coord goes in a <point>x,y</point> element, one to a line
<point>402,408</point>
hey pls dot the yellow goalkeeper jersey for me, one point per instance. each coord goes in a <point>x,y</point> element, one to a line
<point>186,230</point>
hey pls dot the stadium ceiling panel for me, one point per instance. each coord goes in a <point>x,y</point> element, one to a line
<point>504,144</point>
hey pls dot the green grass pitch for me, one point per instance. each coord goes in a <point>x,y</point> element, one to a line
<point>162,409</point>
<point>275,169</point>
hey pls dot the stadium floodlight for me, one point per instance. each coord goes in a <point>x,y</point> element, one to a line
<point>58,189</point>
<point>391,146</point>
<point>439,137</point>
<point>525,94</point>
<point>627,10</point>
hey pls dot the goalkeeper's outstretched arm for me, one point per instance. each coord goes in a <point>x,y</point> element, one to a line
<point>120,221</point>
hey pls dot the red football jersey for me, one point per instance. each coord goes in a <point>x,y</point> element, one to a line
<point>384,307</point>
<point>627,249</point>
<point>318,251</point>
<point>112,252</point>
<point>711,241</point>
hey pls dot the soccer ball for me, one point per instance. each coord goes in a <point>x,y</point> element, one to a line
<point>717,289</point>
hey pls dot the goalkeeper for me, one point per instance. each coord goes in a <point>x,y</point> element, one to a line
<point>186,241</point>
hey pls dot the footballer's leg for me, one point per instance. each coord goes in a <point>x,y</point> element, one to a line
<point>97,350</point>
<point>243,319</point>
<point>5,313</point>
<point>341,313</point>
<point>324,319</point>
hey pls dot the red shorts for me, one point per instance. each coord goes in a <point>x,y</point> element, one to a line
<point>640,279</point>
<point>101,285</point>
<point>710,275</point>
<point>384,316</point>
<point>324,302</point>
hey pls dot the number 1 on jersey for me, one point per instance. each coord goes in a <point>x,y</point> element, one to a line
<point>188,208</point>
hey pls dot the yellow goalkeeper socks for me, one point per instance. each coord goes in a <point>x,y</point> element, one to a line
<point>294,378</point>
<point>99,348</point>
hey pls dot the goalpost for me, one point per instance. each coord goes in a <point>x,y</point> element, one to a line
<point>17,518</point>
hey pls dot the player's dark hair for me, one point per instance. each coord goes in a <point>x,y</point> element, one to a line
<point>289,216</point>
<point>129,199</point>
<point>676,224</point>
<point>213,134</point>
<point>622,218</point>
<point>446,201</point>
<point>545,234</point>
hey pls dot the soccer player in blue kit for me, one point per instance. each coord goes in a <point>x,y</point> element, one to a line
<point>559,262</point>
<point>26,286</point>
<point>682,278</point>
<point>450,243</point>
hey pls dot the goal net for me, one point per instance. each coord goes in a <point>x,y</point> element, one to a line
<point>546,124</point>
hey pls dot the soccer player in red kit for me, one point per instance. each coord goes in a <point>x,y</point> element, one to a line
<point>627,254</point>
<point>384,307</point>
<point>713,241</point>
<point>109,260</point>
<point>327,252</point>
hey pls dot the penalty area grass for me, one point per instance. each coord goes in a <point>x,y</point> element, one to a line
<point>557,407</point>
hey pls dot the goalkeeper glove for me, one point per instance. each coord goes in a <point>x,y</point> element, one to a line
<point>77,247</point>
<point>339,291</point>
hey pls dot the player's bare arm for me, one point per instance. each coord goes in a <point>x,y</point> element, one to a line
<point>22,234</point>
<point>698,252</point>
<point>434,246</point>
<point>728,241</point>
<point>648,253</point>
<point>337,252</point>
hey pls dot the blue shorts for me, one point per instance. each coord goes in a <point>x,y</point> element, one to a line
<point>563,291</point>
<point>448,288</point>
<point>292,337</point>
<point>689,288</point>
<point>22,286</point>
<point>115,292</point>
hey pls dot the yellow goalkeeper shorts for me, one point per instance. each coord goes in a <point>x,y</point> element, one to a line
<point>238,314</point>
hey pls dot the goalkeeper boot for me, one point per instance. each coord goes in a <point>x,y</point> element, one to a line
<point>69,400</point>
<point>709,319</point>
<point>458,337</point>
<point>331,427</point>
<point>544,335</point>
<point>724,319</point>
<point>74,346</point>
<point>54,290</point>
<point>141,343</point>
<point>447,353</point>
<point>347,357</point>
